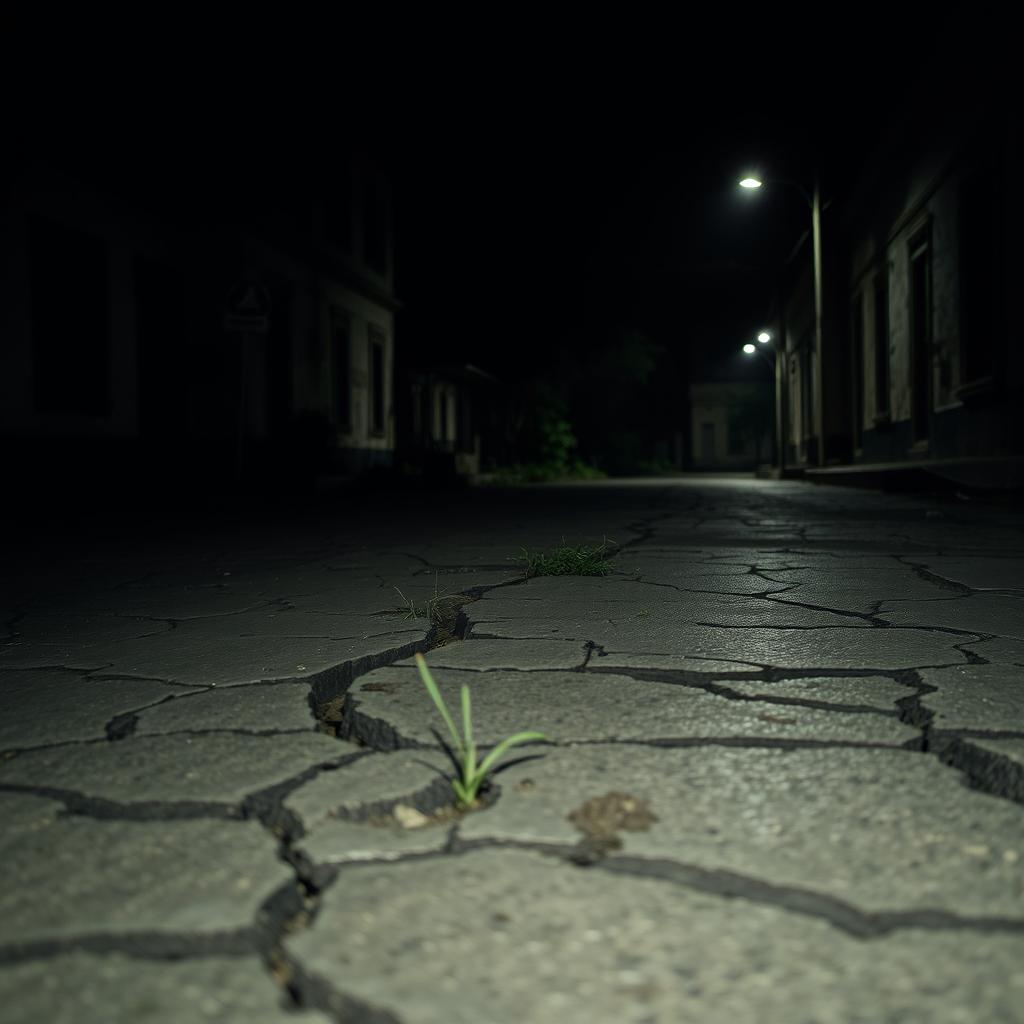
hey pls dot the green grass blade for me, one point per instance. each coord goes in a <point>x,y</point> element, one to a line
<point>467,732</point>
<point>491,759</point>
<point>435,696</point>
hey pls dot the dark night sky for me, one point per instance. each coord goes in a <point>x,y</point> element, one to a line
<point>548,197</point>
<point>553,176</point>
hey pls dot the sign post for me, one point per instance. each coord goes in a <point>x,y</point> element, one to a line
<point>246,312</point>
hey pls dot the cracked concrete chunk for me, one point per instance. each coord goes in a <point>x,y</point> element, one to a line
<point>244,709</point>
<point>45,706</point>
<point>79,876</point>
<point>507,935</point>
<point>85,988</point>
<point>221,768</point>
<point>787,637</point>
<point>979,613</point>
<point>371,786</point>
<point>820,820</point>
<point>246,648</point>
<point>574,706</point>
<point>979,572</point>
<point>985,697</point>
<point>717,668</point>
<point>485,655</point>
<point>998,651</point>
<point>643,613</point>
<point>368,783</point>
<point>870,691</point>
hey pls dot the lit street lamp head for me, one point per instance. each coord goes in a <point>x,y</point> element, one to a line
<point>749,349</point>
<point>764,337</point>
<point>750,182</point>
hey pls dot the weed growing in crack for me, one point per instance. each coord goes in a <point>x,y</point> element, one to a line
<point>463,751</point>
<point>569,561</point>
<point>429,609</point>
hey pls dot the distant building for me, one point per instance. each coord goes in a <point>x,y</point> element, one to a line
<point>452,420</point>
<point>730,425</point>
<point>921,361</point>
<point>199,330</point>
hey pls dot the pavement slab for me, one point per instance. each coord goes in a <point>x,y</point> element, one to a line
<point>759,801</point>
<point>220,768</point>
<point>877,692</point>
<point>511,935</point>
<point>979,572</point>
<point>39,707</point>
<point>280,707</point>
<point>816,820</point>
<point>78,876</point>
<point>392,705</point>
<point>976,697</point>
<point>978,613</point>
<point>86,988</point>
<point>203,652</point>
<point>521,655</point>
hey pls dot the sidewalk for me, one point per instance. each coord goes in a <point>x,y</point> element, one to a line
<point>783,781</point>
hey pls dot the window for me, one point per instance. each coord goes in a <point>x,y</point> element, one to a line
<point>341,365</point>
<point>377,381</point>
<point>882,342</point>
<point>70,310</point>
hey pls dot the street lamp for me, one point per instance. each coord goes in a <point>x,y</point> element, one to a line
<point>775,365</point>
<point>813,200</point>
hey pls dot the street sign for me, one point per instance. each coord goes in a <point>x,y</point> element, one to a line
<point>247,309</point>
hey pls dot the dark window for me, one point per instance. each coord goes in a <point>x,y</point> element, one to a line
<point>858,367</point>
<point>341,365</point>
<point>375,226</point>
<point>882,342</point>
<point>70,310</point>
<point>920,336</point>
<point>376,381</point>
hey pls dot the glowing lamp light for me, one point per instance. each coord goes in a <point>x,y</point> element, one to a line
<point>764,337</point>
<point>750,183</point>
<point>749,349</point>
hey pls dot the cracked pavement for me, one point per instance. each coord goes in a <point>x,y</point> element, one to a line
<point>783,780</point>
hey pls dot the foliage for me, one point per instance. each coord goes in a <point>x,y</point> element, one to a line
<point>546,472</point>
<point>464,747</point>
<point>569,561</point>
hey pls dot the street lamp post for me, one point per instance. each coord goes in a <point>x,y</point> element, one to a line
<point>764,338</point>
<point>813,200</point>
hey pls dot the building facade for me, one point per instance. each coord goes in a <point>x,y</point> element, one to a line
<point>921,361</point>
<point>186,334</point>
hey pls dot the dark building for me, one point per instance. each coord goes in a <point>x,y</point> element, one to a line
<point>176,323</point>
<point>920,361</point>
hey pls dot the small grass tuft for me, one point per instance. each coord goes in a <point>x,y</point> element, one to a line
<point>463,751</point>
<point>582,560</point>
<point>430,608</point>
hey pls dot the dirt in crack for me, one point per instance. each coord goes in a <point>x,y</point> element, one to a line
<point>601,818</point>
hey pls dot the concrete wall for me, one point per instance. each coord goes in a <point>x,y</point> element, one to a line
<point>712,406</point>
